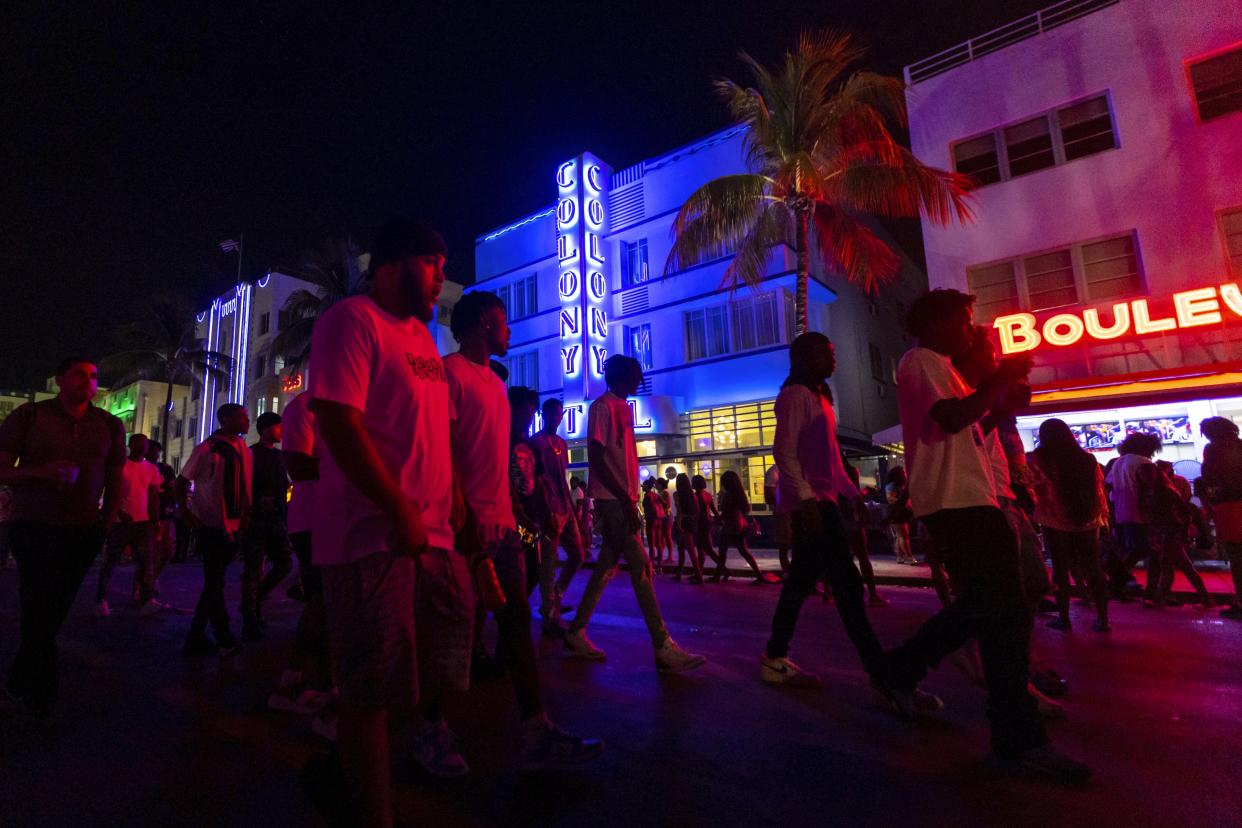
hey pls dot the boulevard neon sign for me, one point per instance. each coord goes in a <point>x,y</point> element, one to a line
<point>1196,308</point>
<point>581,220</point>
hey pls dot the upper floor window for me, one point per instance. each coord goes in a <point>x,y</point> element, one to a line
<point>742,325</point>
<point>524,369</point>
<point>638,344</point>
<point>265,323</point>
<point>1231,230</point>
<point>1083,273</point>
<point>260,366</point>
<point>1217,84</point>
<point>521,298</point>
<point>634,262</point>
<point>1052,138</point>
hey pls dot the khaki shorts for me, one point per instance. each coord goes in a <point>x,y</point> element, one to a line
<point>370,609</point>
<point>444,615</point>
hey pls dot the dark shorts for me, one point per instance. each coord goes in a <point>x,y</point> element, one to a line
<point>444,614</point>
<point>370,609</point>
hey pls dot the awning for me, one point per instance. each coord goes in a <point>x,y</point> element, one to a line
<point>1149,388</point>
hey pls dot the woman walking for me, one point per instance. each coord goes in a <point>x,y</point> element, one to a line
<point>1222,487</point>
<point>1072,508</point>
<point>708,515</point>
<point>734,525</point>
<point>898,515</point>
<point>687,528</point>
<point>665,525</point>
<point>1170,517</point>
<point>653,513</point>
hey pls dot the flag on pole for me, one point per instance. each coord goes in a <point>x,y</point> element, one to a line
<point>229,246</point>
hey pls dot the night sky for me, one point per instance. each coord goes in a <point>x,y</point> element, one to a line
<point>136,140</point>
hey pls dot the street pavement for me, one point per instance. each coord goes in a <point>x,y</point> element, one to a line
<point>146,737</point>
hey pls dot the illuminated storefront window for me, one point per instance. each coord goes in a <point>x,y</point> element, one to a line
<point>748,425</point>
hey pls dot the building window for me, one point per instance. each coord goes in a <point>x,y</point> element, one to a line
<point>260,406</point>
<point>176,464</point>
<point>707,332</point>
<point>177,427</point>
<point>1231,230</point>
<point>524,369</point>
<point>193,425</point>
<point>155,434</point>
<point>877,361</point>
<point>1217,84</point>
<point>1080,274</point>
<point>275,405</point>
<point>265,323</point>
<point>260,366</point>
<point>196,390</point>
<point>634,262</point>
<point>1056,137</point>
<point>749,425</point>
<point>638,344</point>
<point>521,298</point>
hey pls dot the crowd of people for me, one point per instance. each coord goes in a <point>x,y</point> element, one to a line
<point>422,504</point>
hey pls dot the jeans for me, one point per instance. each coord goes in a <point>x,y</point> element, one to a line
<point>514,647</point>
<point>619,541</point>
<point>981,555</point>
<point>266,537</point>
<point>52,561</point>
<point>141,536</point>
<point>1077,552</point>
<point>216,548</point>
<point>563,531</point>
<point>820,550</point>
<point>1133,545</point>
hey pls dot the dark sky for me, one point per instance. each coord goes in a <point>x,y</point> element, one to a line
<point>135,139</point>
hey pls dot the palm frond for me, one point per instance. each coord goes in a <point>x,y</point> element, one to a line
<point>717,215</point>
<point>853,249</point>
<point>750,263</point>
<point>893,182</point>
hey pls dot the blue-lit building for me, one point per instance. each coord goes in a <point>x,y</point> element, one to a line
<point>583,278</point>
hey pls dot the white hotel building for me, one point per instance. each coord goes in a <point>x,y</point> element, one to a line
<point>1107,139</point>
<point>583,278</point>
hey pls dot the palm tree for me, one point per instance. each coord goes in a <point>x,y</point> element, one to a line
<point>163,347</point>
<point>821,157</point>
<point>336,274</point>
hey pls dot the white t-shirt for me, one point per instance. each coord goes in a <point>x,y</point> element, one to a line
<point>1123,477</point>
<point>137,478</point>
<point>808,457</point>
<point>208,470</point>
<point>301,434</point>
<point>479,406</point>
<point>389,369</point>
<point>947,471</point>
<point>1000,465</point>
<point>611,424</point>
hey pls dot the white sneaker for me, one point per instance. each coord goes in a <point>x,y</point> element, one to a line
<point>671,658</point>
<point>435,748</point>
<point>101,609</point>
<point>153,606</point>
<point>783,671</point>
<point>577,643</point>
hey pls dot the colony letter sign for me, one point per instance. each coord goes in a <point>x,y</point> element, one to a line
<point>1202,307</point>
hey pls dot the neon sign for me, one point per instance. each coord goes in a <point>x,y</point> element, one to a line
<point>291,382</point>
<point>1191,309</point>
<point>581,220</point>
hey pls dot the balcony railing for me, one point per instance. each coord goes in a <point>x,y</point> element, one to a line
<point>1018,30</point>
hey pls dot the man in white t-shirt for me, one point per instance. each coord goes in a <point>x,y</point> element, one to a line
<point>612,459</point>
<point>135,527</point>
<point>1131,522</point>
<point>952,489</point>
<point>481,437</point>
<point>384,494</point>
<point>220,468</point>
<point>562,526</point>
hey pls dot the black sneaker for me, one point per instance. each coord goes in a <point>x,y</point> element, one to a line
<point>1049,762</point>
<point>198,646</point>
<point>554,748</point>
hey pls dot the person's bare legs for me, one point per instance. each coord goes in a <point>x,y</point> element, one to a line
<point>743,549</point>
<point>362,737</point>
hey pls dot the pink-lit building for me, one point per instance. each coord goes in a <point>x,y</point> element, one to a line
<point>1107,139</point>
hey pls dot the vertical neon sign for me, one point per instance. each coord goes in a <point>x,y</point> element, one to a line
<point>582,283</point>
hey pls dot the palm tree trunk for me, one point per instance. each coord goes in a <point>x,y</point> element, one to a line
<point>800,292</point>
<point>167,405</point>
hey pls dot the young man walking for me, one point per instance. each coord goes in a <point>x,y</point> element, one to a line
<point>217,510</point>
<point>813,487</point>
<point>137,519</point>
<point>70,453</point>
<point>612,460</point>
<point>267,536</point>
<point>562,527</point>
<point>384,494</point>
<point>952,490</point>
<point>480,437</point>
